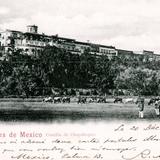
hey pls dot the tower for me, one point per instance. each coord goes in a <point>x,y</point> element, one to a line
<point>32,29</point>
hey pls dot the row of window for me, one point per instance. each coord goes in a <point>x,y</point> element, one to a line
<point>27,42</point>
<point>107,51</point>
<point>66,44</point>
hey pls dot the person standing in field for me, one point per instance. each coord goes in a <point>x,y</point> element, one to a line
<point>157,107</point>
<point>140,102</point>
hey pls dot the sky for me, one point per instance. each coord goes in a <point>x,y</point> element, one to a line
<point>125,24</point>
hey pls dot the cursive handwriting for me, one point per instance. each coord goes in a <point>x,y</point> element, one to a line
<point>75,156</point>
<point>33,157</point>
<point>55,148</point>
<point>120,141</point>
<point>153,138</point>
<point>120,150</point>
<point>145,154</point>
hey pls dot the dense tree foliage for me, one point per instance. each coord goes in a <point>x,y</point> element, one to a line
<point>38,75</point>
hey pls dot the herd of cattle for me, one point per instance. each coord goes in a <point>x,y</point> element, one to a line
<point>83,100</point>
<point>78,100</point>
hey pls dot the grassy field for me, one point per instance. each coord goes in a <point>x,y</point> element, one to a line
<point>39,111</point>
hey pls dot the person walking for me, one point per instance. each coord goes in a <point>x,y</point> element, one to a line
<point>157,107</point>
<point>140,102</point>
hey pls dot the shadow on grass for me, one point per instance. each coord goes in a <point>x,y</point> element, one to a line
<point>50,116</point>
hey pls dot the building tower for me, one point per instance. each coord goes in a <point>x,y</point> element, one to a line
<point>32,29</point>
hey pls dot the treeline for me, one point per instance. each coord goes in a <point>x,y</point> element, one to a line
<point>40,74</point>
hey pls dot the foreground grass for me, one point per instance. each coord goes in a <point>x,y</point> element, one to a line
<point>39,111</point>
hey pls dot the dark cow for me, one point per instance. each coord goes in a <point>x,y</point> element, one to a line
<point>82,100</point>
<point>66,100</point>
<point>57,99</point>
<point>153,100</point>
<point>116,100</point>
<point>101,100</point>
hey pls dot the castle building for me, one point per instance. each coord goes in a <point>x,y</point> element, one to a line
<point>108,50</point>
<point>31,41</point>
<point>32,29</point>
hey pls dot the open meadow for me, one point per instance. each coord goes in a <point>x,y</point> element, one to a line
<point>20,110</point>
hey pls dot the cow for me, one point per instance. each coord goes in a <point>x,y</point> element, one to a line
<point>128,100</point>
<point>116,100</point>
<point>91,99</point>
<point>101,100</point>
<point>57,99</point>
<point>66,100</point>
<point>153,100</point>
<point>82,100</point>
<point>48,99</point>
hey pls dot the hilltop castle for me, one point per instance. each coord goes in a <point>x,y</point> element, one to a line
<point>31,41</point>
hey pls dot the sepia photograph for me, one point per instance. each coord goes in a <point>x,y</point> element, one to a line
<point>79,79</point>
<point>79,60</point>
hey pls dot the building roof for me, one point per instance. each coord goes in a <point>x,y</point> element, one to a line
<point>9,30</point>
<point>101,45</point>
<point>124,50</point>
<point>94,44</point>
<point>158,55</point>
<point>82,43</point>
<point>66,39</point>
<point>36,34</point>
<point>148,51</point>
<point>32,25</point>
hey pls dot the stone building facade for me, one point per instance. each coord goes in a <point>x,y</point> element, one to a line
<point>31,41</point>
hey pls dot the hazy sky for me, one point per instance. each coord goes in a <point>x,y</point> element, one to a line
<point>126,24</point>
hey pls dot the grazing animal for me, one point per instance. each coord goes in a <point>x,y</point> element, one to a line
<point>101,100</point>
<point>128,100</point>
<point>116,100</point>
<point>91,99</point>
<point>66,100</point>
<point>48,99</point>
<point>57,99</point>
<point>153,100</point>
<point>82,100</point>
